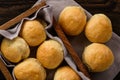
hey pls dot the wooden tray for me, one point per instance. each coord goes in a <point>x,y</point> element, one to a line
<point>58,30</point>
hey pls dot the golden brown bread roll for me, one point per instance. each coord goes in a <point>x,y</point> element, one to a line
<point>72,19</point>
<point>66,73</point>
<point>15,50</point>
<point>99,28</point>
<point>29,69</point>
<point>50,54</point>
<point>33,32</point>
<point>98,57</point>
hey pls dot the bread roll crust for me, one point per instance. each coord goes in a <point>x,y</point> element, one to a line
<point>29,69</point>
<point>33,32</point>
<point>72,19</point>
<point>66,73</point>
<point>98,28</point>
<point>50,54</point>
<point>98,57</point>
<point>15,50</point>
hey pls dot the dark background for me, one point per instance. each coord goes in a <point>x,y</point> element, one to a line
<point>11,8</point>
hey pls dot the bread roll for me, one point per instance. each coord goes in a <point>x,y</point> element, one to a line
<point>29,69</point>
<point>66,73</point>
<point>99,28</point>
<point>98,57</point>
<point>33,32</point>
<point>72,19</point>
<point>50,54</point>
<point>15,50</point>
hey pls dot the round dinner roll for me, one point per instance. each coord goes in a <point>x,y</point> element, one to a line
<point>50,54</point>
<point>29,69</point>
<point>15,50</point>
<point>98,28</point>
<point>98,57</point>
<point>66,73</point>
<point>72,20</point>
<point>33,32</point>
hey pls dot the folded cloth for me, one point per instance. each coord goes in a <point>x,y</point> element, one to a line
<point>79,42</point>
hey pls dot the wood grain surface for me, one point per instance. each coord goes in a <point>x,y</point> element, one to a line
<point>5,71</point>
<point>70,49</point>
<point>24,14</point>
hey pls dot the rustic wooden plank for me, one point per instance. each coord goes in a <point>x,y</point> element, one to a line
<point>11,8</point>
<point>5,71</point>
<point>70,49</point>
<point>27,13</point>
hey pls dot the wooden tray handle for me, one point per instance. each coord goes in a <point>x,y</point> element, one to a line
<point>5,71</point>
<point>27,13</point>
<point>70,49</point>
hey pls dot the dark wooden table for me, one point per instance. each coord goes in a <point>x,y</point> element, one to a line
<point>11,8</point>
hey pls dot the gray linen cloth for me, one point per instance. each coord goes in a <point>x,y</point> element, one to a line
<point>80,42</point>
<point>53,8</point>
